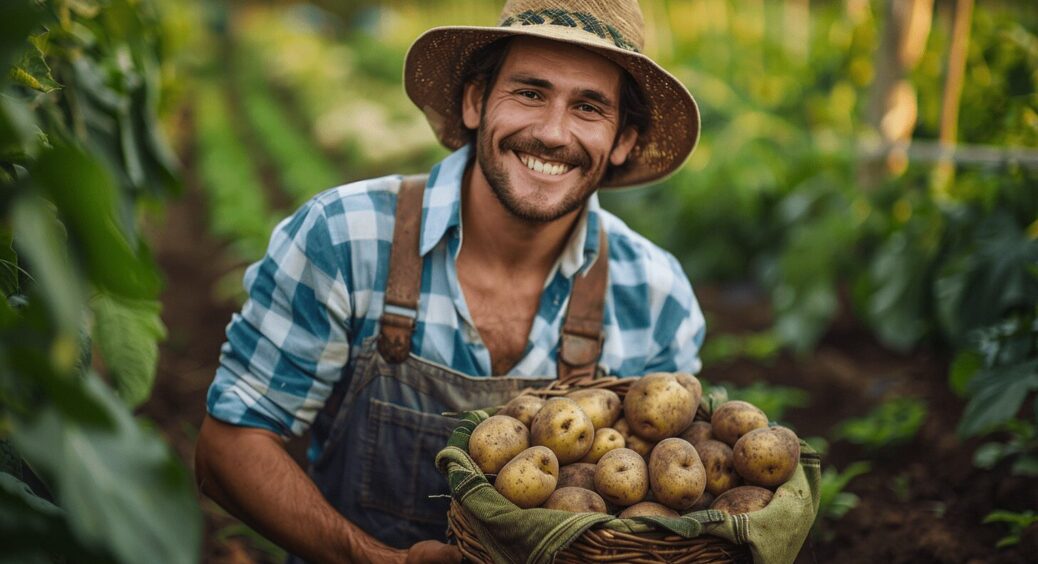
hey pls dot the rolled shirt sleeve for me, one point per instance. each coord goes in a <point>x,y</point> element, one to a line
<point>286,349</point>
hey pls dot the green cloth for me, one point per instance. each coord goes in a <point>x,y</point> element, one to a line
<point>513,535</point>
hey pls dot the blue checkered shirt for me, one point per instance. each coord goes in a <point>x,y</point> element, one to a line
<point>318,293</point>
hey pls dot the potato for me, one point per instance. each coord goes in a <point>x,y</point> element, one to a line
<point>720,470</point>
<point>578,474</point>
<point>621,477</point>
<point>606,439</point>
<point>602,406</point>
<point>694,387</point>
<point>742,499</point>
<point>767,457</point>
<point>697,431</point>
<point>704,502</point>
<point>564,428</point>
<point>529,478</point>
<point>575,500</point>
<point>733,419</point>
<point>497,440</point>
<point>522,408</point>
<point>648,508</point>
<point>676,474</point>
<point>632,441</point>
<point>658,406</point>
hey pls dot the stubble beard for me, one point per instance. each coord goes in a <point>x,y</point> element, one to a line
<point>501,185</point>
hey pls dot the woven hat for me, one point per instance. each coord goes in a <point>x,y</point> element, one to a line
<point>437,61</point>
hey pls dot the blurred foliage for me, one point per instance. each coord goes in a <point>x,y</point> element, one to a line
<point>774,400</point>
<point>80,149</point>
<point>834,501</point>
<point>1016,521</point>
<point>893,422</point>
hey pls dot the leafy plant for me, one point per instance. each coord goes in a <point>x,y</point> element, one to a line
<point>1016,521</point>
<point>1021,449</point>
<point>79,148</point>
<point>774,400</point>
<point>834,502</point>
<point>891,423</point>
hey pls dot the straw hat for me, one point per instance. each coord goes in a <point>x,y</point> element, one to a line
<point>433,74</point>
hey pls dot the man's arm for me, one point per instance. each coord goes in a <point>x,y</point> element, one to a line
<point>249,473</point>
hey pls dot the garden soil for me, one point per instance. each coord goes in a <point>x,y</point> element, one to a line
<point>921,502</point>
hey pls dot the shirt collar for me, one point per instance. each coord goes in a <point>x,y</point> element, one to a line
<point>442,210</point>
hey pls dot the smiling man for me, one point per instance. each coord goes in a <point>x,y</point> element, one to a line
<point>384,303</point>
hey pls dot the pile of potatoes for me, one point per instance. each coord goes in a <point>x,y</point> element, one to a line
<point>590,451</point>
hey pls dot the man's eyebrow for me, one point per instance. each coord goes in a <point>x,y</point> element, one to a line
<point>589,93</point>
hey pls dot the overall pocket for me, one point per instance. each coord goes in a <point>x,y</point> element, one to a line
<point>399,462</point>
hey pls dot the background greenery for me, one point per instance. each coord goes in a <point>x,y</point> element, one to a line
<point>793,191</point>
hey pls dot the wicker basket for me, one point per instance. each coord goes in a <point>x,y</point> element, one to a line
<point>599,544</point>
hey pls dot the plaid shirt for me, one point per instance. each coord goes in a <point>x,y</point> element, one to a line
<point>318,293</point>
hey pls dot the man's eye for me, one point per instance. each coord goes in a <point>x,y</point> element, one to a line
<point>587,108</point>
<point>529,94</point>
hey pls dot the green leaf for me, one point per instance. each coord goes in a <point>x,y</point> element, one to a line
<point>893,422</point>
<point>19,136</point>
<point>85,196</point>
<point>1026,465</point>
<point>33,529</point>
<point>127,333</point>
<point>38,240</point>
<point>121,488</point>
<point>17,20</point>
<point>895,306</point>
<point>988,455</point>
<point>963,369</point>
<point>997,396</point>
<point>32,70</point>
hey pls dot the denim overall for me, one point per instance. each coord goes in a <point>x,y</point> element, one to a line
<point>383,432</point>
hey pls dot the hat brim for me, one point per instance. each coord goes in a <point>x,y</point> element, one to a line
<point>433,81</point>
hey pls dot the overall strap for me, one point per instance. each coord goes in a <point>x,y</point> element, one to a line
<point>582,335</point>
<point>405,273</point>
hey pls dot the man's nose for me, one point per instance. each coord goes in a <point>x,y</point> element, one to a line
<point>552,128</point>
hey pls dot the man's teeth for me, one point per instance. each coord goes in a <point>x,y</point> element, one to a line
<point>538,165</point>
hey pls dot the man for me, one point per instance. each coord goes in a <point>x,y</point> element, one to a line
<point>384,303</point>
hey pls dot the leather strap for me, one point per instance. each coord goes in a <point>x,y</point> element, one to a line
<point>405,273</point>
<point>581,342</point>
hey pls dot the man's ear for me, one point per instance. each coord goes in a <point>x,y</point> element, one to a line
<point>472,104</point>
<point>622,148</point>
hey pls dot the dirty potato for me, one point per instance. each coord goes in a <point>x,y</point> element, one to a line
<point>704,502</point>
<point>578,474</point>
<point>742,499</point>
<point>497,440</point>
<point>733,419</point>
<point>694,387</point>
<point>522,408</point>
<point>602,406</point>
<point>676,474</point>
<point>606,439</point>
<point>529,478</point>
<point>564,428</point>
<point>648,508</point>
<point>632,441</point>
<point>575,500</point>
<point>767,457</point>
<point>697,431</point>
<point>621,477</point>
<point>658,406</point>
<point>720,469</point>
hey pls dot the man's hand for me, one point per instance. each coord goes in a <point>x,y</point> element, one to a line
<point>434,552</point>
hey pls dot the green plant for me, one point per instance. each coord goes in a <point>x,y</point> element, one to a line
<point>893,422</point>
<point>79,149</point>
<point>1021,449</point>
<point>834,502</point>
<point>762,346</point>
<point>772,399</point>
<point>1016,521</point>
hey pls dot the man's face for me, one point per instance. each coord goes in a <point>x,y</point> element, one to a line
<point>547,130</point>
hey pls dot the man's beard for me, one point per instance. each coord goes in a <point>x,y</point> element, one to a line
<point>497,176</point>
